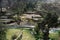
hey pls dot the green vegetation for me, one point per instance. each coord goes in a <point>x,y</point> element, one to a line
<point>11,32</point>
<point>3,34</point>
<point>48,11</point>
<point>54,36</point>
<point>26,34</point>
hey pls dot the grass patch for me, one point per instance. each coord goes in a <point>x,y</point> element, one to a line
<point>26,34</point>
<point>54,36</point>
<point>11,32</point>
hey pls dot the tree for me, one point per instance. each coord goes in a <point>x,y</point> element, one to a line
<point>51,20</point>
<point>37,32</point>
<point>30,6</point>
<point>2,32</point>
<point>18,10</point>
